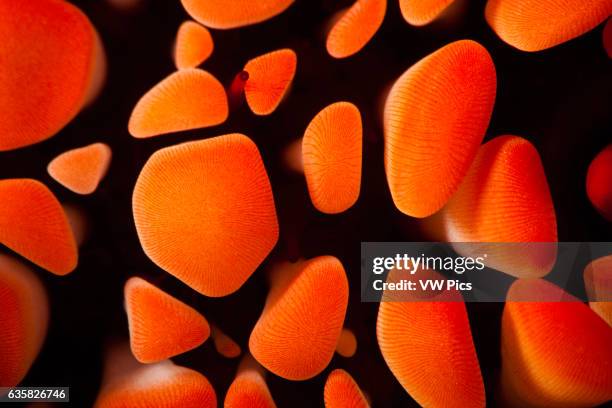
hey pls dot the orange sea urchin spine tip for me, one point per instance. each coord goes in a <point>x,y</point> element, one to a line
<point>193,46</point>
<point>198,204</point>
<point>505,198</point>
<point>224,344</point>
<point>52,65</point>
<point>81,170</point>
<point>249,388</point>
<point>422,12</point>
<point>298,331</point>
<point>163,385</point>
<point>23,320</point>
<point>187,99</point>
<point>225,14</point>
<point>356,27</point>
<point>161,326</point>
<point>341,391</point>
<point>413,329</point>
<point>535,25</point>
<point>269,77</point>
<point>331,156</point>
<point>598,283</point>
<point>599,182</point>
<point>435,117</point>
<point>412,336</point>
<point>292,156</point>
<point>347,344</point>
<point>553,353</point>
<point>33,224</point>
<point>235,93</point>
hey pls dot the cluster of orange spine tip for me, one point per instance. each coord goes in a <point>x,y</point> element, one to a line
<point>198,204</point>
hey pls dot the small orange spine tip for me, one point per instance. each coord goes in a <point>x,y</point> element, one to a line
<point>505,198</point>
<point>332,156</point>
<point>341,391</point>
<point>598,284</point>
<point>24,316</point>
<point>226,14</point>
<point>413,332</point>
<point>435,117</point>
<point>196,243</point>
<point>249,388</point>
<point>160,325</point>
<point>270,78</point>
<point>292,156</point>
<point>128,384</point>
<point>568,368</point>
<point>193,45</point>
<point>81,170</point>
<point>347,343</point>
<point>188,99</point>
<point>599,182</point>
<point>29,209</point>
<point>422,12</point>
<point>224,344</point>
<point>53,64</point>
<point>355,27</point>
<point>298,330</point>
<point>235,92</point>
<point>535,25</point>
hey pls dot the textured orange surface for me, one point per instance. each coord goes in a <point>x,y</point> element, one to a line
<point>534,25</point>
<point>52,64</point>
<point>185,100</point>
<point>341,391</point>
<point>249,388</point>
<point>204,212</point>
<point>429,348</point>
<point>33,224</point>
<point>347,344</point>
<point>161,326</point>
<point>194,44</point>
<point>355,27</point>
<point>24,314</point>
<point>598,283</point>
<point>298,330</point>
<point>224,344</point>
<point>599,182</point>
<point>270,76</point>
<point>435,117</point>
<point>554,354</point>
<point>160,385</point>
<point>81,170</point>
<point>505,198</point>
<point>234,13</point>
<point>331,156</point>
<point>422,12</point>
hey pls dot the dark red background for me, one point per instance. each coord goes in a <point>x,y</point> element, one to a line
<point>559,99</point>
